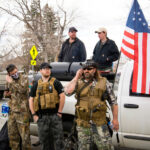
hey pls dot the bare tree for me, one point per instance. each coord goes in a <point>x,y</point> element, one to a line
<point>31,14</point>
<point>3,31</point>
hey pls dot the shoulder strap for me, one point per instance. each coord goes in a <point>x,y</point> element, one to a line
<point>81,89</point>
<point>39,81</point>
<point>51,80</point>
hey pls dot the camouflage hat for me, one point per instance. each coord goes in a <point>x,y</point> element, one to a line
<point>45,65</point>
<point>89,63</point>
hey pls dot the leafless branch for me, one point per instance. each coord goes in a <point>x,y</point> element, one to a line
<point>5,55</point>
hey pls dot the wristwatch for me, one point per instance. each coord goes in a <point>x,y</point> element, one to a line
<point>34,114</point>
<point>59,112</point>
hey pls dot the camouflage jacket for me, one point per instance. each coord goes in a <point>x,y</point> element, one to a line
<point>19,94</point>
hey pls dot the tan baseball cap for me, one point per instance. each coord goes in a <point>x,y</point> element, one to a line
<point>101,30</point>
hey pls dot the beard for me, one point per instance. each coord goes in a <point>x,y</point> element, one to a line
<point>73,37</point>
<point>88,75</point>
<point>46,76</point>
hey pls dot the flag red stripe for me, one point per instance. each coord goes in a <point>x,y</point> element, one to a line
<point>144,65</point>
<point>127,54</point>
<point>128,44</point>
<point>129,35</point>
<point>135,70</point>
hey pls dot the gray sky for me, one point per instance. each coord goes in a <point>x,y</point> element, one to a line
<point>93,14</point>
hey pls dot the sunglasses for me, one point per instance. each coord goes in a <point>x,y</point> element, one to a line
<point>88,68</point>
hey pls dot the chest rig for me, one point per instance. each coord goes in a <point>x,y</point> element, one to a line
<point>46,95</point>
<point>90,100</point>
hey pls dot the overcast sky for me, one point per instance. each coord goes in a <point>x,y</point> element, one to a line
<point>93,14</point>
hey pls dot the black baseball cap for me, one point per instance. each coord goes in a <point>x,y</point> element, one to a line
<point>71,29</point>
<point>10,68</point>
<point>89,63</point>
<point>45,65</point>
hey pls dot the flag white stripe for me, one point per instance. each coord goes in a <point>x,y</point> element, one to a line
<point>129,40</point>
<point>148,65</point>
<point>140,58</point>
<point>129,50</point>
<point>131,31</point>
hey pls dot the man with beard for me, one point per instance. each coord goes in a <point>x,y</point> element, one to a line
<point>91,91</point>
<point>19,115</point>
<point>46,104</point>
<point>73,49</point>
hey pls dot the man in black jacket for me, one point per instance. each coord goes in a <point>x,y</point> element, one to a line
<point>73,49</point>
<point>105,51</point>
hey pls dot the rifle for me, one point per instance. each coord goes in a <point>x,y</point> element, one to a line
<point>93,129</point>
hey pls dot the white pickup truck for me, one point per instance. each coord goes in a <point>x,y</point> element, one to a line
<point>134,116</point>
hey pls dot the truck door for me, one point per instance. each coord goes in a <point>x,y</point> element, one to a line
<point>134,113</point>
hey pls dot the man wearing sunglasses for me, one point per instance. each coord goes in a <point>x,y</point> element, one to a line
<point>91,91</point>
<point>105,51</point>
<point>18,120</point>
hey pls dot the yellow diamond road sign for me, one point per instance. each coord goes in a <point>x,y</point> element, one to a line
<point>33,52</point>
<point>33,62</point>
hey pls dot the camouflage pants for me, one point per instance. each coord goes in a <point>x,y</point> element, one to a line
<point>19,131</point>
<point>102,141</point>
<point>50,132</point>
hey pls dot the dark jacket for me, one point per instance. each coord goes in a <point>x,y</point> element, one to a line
<point>74,52</point>
<point>105,54</point>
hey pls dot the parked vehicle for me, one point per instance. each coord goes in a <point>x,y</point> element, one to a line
<point>2,83</point>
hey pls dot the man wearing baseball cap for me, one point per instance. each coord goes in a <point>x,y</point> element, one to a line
<point>105,51</point>
<point>73,49</point>
<point>46,104</point>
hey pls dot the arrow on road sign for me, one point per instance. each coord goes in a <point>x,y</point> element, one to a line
<point>33,52</point>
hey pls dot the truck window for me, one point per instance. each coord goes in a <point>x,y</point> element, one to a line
<point>136,94</point>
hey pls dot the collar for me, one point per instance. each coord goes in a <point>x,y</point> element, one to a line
<point>107,41</point>
<point>76,39</point>
<point>48,79</point>
<point>93,81</point>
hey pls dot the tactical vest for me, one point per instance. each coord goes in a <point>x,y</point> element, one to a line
<point>44,98</point>
<point>90,100</point>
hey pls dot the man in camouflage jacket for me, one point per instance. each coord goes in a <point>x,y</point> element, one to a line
<point>18,121</point>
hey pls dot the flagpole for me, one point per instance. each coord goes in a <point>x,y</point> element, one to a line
<point>117,68</point>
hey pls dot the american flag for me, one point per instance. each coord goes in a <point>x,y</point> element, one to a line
<point>136,45</point>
